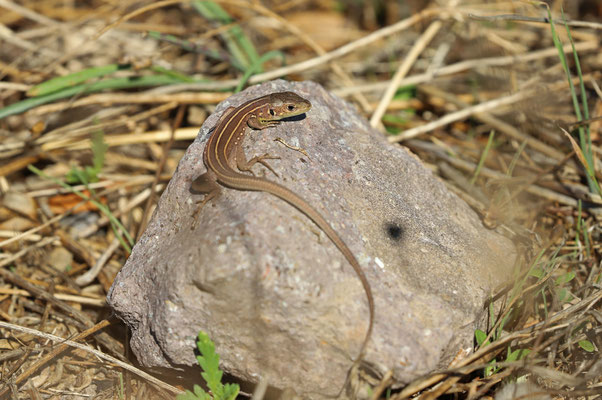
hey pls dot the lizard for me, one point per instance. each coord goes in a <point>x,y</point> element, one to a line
<point>225,161</point>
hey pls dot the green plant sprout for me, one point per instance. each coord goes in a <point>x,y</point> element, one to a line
<point>209,362</point>
<point>511,355</point>
<point>89,174</point>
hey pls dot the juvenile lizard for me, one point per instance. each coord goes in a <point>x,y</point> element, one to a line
<point>224,154</point>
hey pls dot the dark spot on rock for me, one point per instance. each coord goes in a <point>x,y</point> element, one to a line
<point>394,231</point>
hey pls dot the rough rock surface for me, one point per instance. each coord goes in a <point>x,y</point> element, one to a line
<point>276,295</point>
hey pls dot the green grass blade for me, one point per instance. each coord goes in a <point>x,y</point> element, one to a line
<point>582,229</point>
<point>239,46</point>
<point>172,74</point>
<point>120,388</point>
<point>256,68</point>
<point>105,84</point>
<point>579,222</point>
<point>194,48</point>
<point>584,138</point>
<point>483,158</point>
<point>214,12</point>
<point>63,82</point>
<point>591,174</point>
<point>579,73</point>
<point>516,157</point>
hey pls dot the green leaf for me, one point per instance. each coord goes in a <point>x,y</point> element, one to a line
<point>405,93</point>
<point>99,149</point>
<point>564,295</point>
<point>480,337</point>
<point>75,176</point>
<point>396,118</point>
<point>536,272</point>
<point>188,395</point>
<point>561,280</point>
<point>231,391</point>
<point>90,173</point>
<point>199,394</point>
<point>209,361</point>
<point>587,346</point>
<point>518,354</point>
<point>491,369</point>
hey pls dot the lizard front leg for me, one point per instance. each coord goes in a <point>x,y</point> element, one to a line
<point>245,165</point>
<point>241,158</point>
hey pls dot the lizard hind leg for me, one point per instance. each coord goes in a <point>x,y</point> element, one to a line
<point>205,184</point>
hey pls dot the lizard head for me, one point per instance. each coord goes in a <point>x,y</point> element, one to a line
<point>286,104</point>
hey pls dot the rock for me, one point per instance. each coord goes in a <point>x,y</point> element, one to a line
<point>196,115</point>
<point>60,259</point>
<point>20,203</point>
<point>17,224</point>
<point>522,390</point>
<point>276,296</point>
<point>81,224</point>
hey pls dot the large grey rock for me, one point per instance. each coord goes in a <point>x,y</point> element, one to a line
<point>276,295</point>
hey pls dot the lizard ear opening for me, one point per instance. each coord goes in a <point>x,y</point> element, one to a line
<point>272,112</point>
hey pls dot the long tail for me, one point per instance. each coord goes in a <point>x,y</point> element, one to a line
<point>245,182</point>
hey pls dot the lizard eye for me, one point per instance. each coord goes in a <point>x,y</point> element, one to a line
<point>272,112</point>
<point>291,107</point>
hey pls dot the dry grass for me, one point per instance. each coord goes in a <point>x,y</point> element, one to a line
<point>462,77</point>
